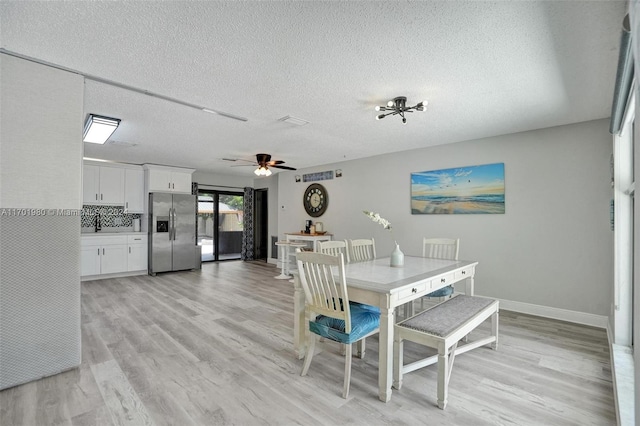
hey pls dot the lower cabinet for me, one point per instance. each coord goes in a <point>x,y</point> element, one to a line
<point>137,255</point>
<point>113,254</point>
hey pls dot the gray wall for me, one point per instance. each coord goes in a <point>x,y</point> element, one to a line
<point>40,190</point>
<point>552,248</point>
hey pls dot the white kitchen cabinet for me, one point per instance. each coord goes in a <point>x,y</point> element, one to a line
<point>103,254</point>
<point>137,253</point>
<point>102,185</point>
<point>114,259</point>
<point>168,179</point>
<point>89,260</point>
<point>134,191</point>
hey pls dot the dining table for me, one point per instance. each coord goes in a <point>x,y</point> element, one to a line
<point>376,283</point>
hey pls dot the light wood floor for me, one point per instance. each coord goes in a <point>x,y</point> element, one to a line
<point>214,347</point>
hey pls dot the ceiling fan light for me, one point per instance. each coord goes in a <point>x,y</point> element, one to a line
<point>390,104</point>
<point>380,117</point>
<point>377,108</point>
<point>267,172</point>
<point>257,171</point>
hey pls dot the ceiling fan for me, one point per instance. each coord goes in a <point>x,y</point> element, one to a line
<point>264,162</point>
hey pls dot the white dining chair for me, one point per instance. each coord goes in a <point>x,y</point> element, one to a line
<point>329,312</point>
<point>440,248</point>
<point>334,248</point>
<point>362,249</point>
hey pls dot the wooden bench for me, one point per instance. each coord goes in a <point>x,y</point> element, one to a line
<point>442,327</point>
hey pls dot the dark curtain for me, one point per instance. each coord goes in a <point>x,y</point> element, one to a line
<point>247,233</point>
<point>194,191</point>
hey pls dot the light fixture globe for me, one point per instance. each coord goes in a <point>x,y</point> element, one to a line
<point>398,106</point>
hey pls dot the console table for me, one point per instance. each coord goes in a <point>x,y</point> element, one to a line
<point>314,238</point>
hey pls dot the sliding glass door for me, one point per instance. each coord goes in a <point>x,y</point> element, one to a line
<point>220,224</point>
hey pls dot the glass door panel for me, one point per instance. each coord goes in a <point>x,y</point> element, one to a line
<point>220,224</point>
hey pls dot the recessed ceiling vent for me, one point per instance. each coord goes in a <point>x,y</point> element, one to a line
<point>293,120</point>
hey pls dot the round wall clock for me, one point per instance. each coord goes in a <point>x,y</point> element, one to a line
<point>315,200</point>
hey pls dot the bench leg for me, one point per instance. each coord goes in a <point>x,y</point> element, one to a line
<point>446,356</point>
<point>398,351</point>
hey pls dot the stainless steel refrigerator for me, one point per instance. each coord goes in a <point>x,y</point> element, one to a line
<point>172,232</point>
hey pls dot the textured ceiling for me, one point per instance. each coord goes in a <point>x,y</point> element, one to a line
<point>486,68</point>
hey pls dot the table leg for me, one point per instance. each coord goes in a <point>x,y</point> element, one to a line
<point>385,357</point>
<point>284,263</point>
<point>469,286</point>
<point>298,319</point>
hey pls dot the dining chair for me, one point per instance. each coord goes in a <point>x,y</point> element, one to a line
<point>334,248</point>
<point>441,248</point>
<point>329,312</point>
<point>362,249</point>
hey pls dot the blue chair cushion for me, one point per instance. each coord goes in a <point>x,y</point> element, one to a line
<point>442,292</point>
<point>364,319</point>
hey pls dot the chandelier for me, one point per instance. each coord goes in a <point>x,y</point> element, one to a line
<point>398,106</point>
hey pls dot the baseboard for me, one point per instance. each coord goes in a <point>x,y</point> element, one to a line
<point>272,261</point>
<point>117,275</point>
<point>583,318</point>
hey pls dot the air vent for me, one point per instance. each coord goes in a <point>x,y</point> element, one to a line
<point>293,120</point>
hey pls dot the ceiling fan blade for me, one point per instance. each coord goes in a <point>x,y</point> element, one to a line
<point>275,162</point>
<point>283,167</point>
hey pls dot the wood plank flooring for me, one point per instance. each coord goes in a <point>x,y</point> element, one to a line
<point>214,347</point>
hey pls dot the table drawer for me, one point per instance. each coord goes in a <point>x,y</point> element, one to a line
<point>411,292</point>
<point>443,281</point>
<point>464,273</point>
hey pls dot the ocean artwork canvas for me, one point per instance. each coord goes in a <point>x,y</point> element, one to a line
<point>461,190</point>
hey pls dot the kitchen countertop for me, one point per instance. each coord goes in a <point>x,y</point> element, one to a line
<point>90,232</point>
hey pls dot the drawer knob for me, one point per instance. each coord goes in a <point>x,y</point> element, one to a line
<point>414,290</point>
<point>464,272</point>
<point>442,280</point>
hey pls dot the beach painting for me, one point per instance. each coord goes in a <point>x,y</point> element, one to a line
<point>462,190</point>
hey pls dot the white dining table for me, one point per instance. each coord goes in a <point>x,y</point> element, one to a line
<point>376,283</point>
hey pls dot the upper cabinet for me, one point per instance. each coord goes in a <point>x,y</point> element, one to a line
<point>103,185</point>
<point>168,179</point>
<point>134,190</point>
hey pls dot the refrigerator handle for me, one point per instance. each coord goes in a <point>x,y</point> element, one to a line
<point>171,224</point>
<point>174,224</point>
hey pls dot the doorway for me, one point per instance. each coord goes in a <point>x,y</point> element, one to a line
<point>220,224</point>
<point>261,224</point>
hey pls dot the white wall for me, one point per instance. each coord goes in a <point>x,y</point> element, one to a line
<point>40,197</point>
<point>553,246</point>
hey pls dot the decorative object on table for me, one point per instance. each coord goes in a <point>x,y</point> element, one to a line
<point>312,177</point>
<point>298,178</point>
<point>319,227</point>
<point>307,226</point>
<point>397,257</point>
<point>398,106</point>
<point>339,173</point>
<point>315,200</point>
<point>463,190</point>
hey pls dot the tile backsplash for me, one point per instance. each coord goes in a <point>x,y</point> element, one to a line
<point>110,216</point>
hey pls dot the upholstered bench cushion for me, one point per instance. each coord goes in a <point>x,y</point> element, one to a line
<point>444,318</point>
<point>364,319</point>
